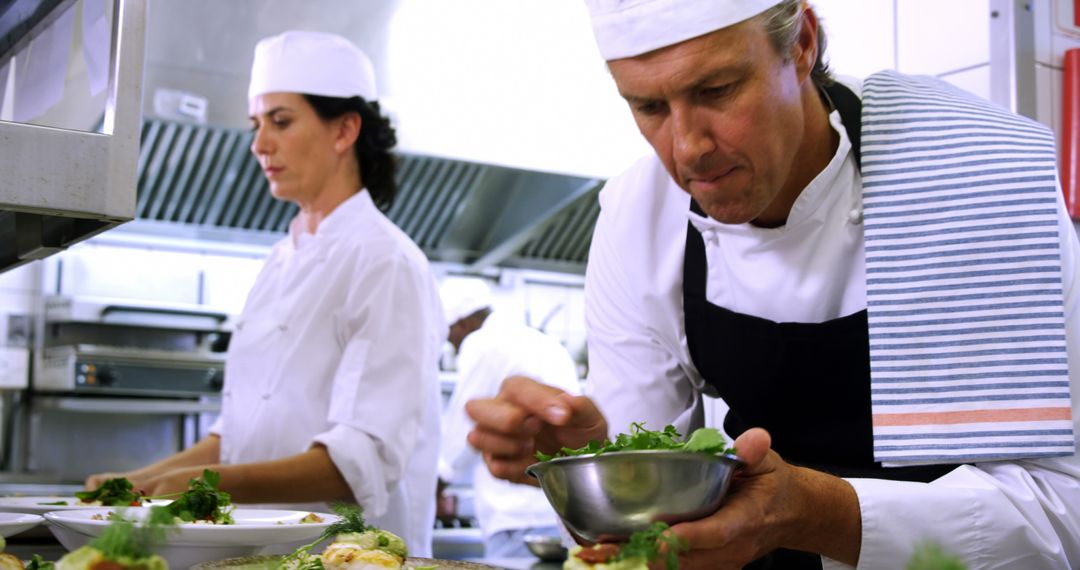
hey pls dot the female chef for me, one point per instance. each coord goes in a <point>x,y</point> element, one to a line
<point>331,386</point>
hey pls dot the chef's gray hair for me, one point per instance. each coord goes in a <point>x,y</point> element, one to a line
<point>783,22</point>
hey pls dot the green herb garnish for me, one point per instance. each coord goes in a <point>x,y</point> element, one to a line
<point>203,501</point>
<point>351,521</point>
<point>123,539</point>
<point>703,440</point>
<point>62,503</point>
<point>39,563</point>
<point>118,492</point>
<point>648,544</point>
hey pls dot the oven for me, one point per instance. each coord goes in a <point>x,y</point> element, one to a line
<point>118,384</point>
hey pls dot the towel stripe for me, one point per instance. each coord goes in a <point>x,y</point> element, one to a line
<point>964,294</point>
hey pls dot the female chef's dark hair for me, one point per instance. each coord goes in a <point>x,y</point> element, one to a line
<point>372,147</point>
<point>782,22</point>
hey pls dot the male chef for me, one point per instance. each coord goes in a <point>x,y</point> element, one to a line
<point>878,277</point>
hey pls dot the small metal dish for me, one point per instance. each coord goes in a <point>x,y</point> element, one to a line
<point>609,496</point>
<point>546,548</point>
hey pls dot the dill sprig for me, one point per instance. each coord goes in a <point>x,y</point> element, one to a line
<point>351,521</point>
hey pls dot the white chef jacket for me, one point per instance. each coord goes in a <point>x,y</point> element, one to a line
<point>497,350</point>
<point>338,344</point>
<point>1023,514</point>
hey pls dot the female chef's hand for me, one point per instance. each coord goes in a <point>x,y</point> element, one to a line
<point>171,482</point>
<point>527,416</point>
<point>773,504</point>
<point>138,480</point>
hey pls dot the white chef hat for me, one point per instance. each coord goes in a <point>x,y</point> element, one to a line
<point>316,63</point>
<point>628,28</point>
<point>463,296</point>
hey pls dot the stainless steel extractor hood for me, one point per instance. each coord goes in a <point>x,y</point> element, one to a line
<point>201,182</point>
<point>59,186</point>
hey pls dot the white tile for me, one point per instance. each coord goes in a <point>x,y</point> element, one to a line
<point>227,281</point>
<point>975,80</point>
<point>1044,30</point>
<point>937,37</point>
<point>860,34</point>
<point>22,278</point>
<point>1047,106</point>
<point>149,275</point>
<point>14,302</point>
<point>1065,35</point>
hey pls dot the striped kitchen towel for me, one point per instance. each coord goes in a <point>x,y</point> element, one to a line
<point>963,278</point>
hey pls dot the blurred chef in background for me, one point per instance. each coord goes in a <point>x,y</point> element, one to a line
<point>331,383</point>
<point>492,346</point>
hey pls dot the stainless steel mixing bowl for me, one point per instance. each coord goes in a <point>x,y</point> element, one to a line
<point>608,497</point>
<point>546,548</point>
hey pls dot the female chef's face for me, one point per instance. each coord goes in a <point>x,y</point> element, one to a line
<point>725,114</point>
<point>297,150</point>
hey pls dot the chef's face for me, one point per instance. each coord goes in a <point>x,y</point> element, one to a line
<point>297,149</point>
<point>725,114</point>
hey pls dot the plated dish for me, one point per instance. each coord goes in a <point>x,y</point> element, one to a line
<point>191,543</point>
<point>271,563</point>
<point>14,523</point>
<point>250,526</point>
<point>42,505</point>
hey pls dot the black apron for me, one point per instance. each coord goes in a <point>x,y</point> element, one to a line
<point>808,384</point>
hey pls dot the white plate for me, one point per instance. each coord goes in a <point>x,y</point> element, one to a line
<point>254,530</point>
<point>255,527</point>
<point>37,506</point>
<point>14,523</point>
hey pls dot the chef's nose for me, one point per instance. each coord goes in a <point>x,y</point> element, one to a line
<point>262,143</point>
<point>691,139</point>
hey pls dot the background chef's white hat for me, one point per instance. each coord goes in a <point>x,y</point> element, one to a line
<point>316,63</point>
<point>463,296</point>
<point>627,28</point>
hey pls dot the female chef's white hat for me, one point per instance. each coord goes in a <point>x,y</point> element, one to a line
<point>316,63</point>
<point>463,296</point>
<point>628,28</point>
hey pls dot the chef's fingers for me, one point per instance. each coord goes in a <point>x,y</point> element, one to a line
<point>510,470</point>
<point>500,416</point>
<point>753,448</point>
<point>94,481</point>
<point>537,399</point>
<point>500,445</point>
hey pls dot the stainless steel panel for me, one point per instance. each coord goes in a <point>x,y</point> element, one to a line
<point>62,186</point>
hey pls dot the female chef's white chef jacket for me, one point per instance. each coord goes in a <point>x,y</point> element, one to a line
<point>1025,514</point>
<point>499,349</point>
<point>338,344</point>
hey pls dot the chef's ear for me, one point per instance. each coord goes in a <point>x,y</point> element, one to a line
<point>804,52</point>
<point>348,130</point>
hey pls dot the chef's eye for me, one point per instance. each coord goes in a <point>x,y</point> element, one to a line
<point>716,92</point>
<point>649,108</point>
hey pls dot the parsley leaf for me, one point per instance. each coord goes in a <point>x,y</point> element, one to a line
<point>648,544</point>
<point>117,492</point>
<point>703,440</point>
<point>203,501</point>
<point>123,539</point>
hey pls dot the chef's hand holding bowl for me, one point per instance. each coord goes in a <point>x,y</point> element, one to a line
<point>771,504</point>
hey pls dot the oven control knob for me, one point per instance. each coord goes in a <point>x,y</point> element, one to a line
<point>215,379</point>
